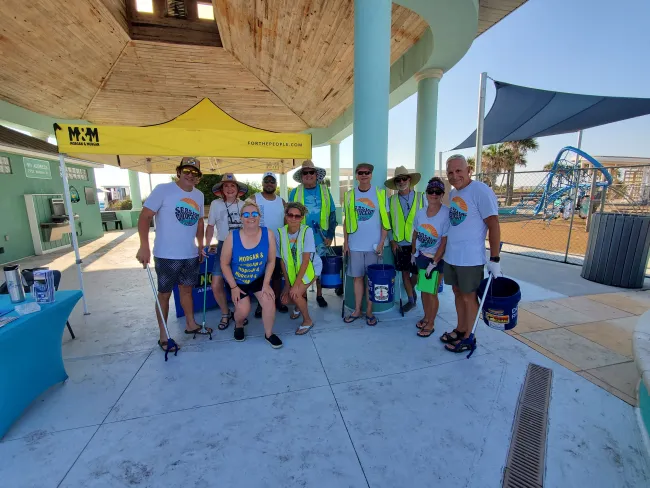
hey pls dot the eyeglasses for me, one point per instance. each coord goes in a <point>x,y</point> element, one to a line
<point>293,216</point>
<point>248,215</point>
<point>435,192</point>
<point>364,173</point>
<point>401,180</point>
<point>190,171</point>
<point>309,172</point>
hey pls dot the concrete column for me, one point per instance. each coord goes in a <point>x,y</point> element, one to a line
<point>335,186</point>
<point>425,135</point>
<point>134,185</point>
<point>372,23</point>
<point>284,192</point>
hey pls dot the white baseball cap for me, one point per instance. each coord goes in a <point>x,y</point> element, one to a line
<point>269,173</point>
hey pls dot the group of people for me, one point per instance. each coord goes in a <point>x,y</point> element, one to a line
<point>264,241</point>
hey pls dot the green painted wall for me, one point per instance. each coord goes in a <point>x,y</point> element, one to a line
<point>129,218</point>
<point>13,213</point>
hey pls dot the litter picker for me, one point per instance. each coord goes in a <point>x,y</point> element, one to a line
<point>471,340</point>
<point>171,344</point>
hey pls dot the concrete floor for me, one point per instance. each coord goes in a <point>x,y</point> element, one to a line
<point>351,406</point>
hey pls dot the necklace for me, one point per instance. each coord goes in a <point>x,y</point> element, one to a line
<point>406,201</point>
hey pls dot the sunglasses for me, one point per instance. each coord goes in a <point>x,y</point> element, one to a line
<point>435,192</point>
<point>269,181</point>
<point>248,215</point>
<point>401,180</point>
<point>310,172</point>
<point>293,216</point>
<point>364,173</point>
<point>190,171</point>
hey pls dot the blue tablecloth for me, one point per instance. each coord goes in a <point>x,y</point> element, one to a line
<point>30,354</point>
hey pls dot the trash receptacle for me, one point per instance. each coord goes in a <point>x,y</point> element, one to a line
<point>617,250</point>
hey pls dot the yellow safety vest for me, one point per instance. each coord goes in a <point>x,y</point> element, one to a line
<point>351,217</point>
<point>403,231</point>
<point>325,208</point>
<point>287,257</point>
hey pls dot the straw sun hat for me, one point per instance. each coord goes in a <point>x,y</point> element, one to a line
<point>402,171</point>
<point>308,164</point>
<point>229,177</point>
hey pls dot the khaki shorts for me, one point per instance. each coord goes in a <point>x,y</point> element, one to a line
<point>359,261</point>
<point>467,278</point>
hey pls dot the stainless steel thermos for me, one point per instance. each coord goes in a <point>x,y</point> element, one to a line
<point>14,280</point>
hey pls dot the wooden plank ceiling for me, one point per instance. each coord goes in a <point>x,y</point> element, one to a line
<point>286,65</point>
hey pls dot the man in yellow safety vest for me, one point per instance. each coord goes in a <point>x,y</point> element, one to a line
<point>365,230</point>
<point>314,194</point>
<point>403,206</point>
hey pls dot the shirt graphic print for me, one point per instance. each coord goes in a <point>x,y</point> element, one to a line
<point>365,209</point>
<point>457,211</point>
<point>187,212</point>
<point>427,235</point>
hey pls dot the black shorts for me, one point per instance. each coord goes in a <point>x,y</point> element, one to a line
<point>422,262</point>
<point>277,271</point>
<point>252,287</point>
<point>172,272</point>
<point>403,260</point>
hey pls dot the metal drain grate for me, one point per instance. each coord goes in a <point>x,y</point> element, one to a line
<point>525,466</point>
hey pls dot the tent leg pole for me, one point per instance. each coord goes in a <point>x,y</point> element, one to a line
<point>479,124</point>
<point>73,229</point>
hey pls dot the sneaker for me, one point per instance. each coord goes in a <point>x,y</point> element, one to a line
<point>239,334</point>
<point>283,308</point>
<point>408,307</point>
<point>258,311</point>
<point>274,340</point>
<point>321,302</point>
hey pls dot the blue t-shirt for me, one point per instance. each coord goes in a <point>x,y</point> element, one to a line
<point>313,204</point>
<point>249,264</point>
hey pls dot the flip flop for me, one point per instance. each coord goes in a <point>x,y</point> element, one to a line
<point>303,329</point>
<point>351,318</point>
<point>199,330</point>
<point>295,315</point>
<point>421,323</point>
<point>424,332</point>
<point>371,321</point>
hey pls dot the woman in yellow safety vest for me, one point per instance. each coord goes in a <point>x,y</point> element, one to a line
<point>296,248</point>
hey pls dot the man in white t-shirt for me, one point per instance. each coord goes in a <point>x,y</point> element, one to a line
<point>365,229</point>
<point>272,208</point>
<point>224,216</point>
<point>473,213</point>
<point>178,207</point>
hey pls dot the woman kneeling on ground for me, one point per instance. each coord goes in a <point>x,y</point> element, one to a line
<point>428,246</point>
<point>297,247</point>
<point>247,261</point>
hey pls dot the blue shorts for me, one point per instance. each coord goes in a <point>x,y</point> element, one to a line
<point>422,262</point>
<point>216,269</point>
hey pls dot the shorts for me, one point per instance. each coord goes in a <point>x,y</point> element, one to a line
<point>216,269</point>
<point>172,272</point>
<point>467,278</point>
<point>403,260</point>
<point>359,261</point>
<point>277,270</point>
<point>252,287</point>
<point>422,262</point>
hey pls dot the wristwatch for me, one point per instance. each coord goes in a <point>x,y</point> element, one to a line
<point>495,259</point>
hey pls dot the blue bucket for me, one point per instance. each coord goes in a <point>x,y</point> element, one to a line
<point>331,276</point>
<point>381,283</point>
<point>500,306</point>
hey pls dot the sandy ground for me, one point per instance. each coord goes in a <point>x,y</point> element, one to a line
<point>546,236</point>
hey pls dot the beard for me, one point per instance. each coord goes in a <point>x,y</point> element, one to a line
<point>268,191</point>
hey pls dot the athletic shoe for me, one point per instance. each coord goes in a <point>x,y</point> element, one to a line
<point>321,302</point>
<point>408,307</point>
<point>274,340</point>
<point>258,311</point>
<point>239,334</point>
<point>283,308</point>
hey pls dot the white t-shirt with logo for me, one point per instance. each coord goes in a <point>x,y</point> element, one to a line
<point>430,230</point>
<point>225,217</point>
<point>310,247</point>
<point>177,216</point>
<point>272,212</point>
<point>368,220</point>
<point>467,210</point>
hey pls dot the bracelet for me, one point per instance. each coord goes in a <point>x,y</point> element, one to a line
<point>233,287</point>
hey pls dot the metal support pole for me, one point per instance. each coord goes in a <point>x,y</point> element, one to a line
<point>440,173</point>
<point>592,198</point>
<point>479,124</point>
<point>73,228</point>
<point>150,190</point>
<point>576,173</point>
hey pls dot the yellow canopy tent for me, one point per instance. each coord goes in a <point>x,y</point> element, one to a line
<point>203,131</point>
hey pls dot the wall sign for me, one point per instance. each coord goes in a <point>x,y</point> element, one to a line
<point>74,195</point>
<point>37,168</point>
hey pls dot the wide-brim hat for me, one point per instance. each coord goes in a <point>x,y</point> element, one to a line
<point>402,171</point>
<point>308,164</point>
<point>229,177</point>
<point>190,162</point>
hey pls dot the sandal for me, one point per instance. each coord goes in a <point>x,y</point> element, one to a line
<point>351,318</point>
<point>371,321</point>
<point>163,346</point>
<point>421,323</point>
<point>224,323</point>
<point>447,338</point>
<point>199,330</point>
<point>425,332</point>
<point>462,346</point>
<point>303,329</point>
<point>295,314</point>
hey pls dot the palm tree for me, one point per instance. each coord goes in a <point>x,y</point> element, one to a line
<point>518,150</point>
<point>496,159</point>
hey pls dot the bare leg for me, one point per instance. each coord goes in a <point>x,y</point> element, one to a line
<point>301,304</point>
<point>358,295</point>
<point>471,309</point>
<point>242,309</point>
<point>268,312</point>
<point>319,288</point>
<point>163,298</point>
<point>277,289</point>
<point>188,306</point>
<point>414,281</point>
<point>220,294</point>
<point>460,308</point>
<point>426,305</point>
<point>368,302</point>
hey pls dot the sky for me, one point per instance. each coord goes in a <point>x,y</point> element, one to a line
<point>594,47</point>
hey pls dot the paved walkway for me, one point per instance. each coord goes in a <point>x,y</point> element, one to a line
<point>343,406</point>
